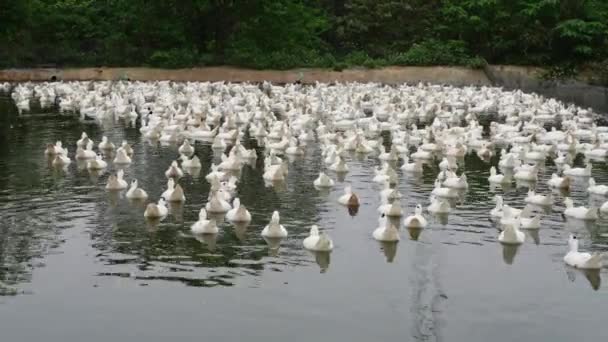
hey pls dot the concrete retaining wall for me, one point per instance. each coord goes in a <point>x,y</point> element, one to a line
<point>391,75</point>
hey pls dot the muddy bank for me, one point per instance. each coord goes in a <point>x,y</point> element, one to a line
<point>512,77</point>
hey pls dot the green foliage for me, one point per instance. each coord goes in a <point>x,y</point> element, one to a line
<point>282,34</point>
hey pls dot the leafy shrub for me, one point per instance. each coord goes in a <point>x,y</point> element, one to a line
<point>174,58</point>
<point>435,52</point>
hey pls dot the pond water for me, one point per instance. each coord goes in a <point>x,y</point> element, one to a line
<point>77,263</point>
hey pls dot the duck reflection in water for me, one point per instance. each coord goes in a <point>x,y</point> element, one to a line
<point>592,276</point>
<point>240,230</point>
<point>210,240</point>
<point>508,253</point>
<point>389,249</point>
<point>274,243</point>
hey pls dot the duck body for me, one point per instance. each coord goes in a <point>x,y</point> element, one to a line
<point>135,192</point>
<point>154,210</point>
<point>274,229</point>
<point>238,213</point>
<point>511,235</point>
<point>318,242</point>
<point>416,220</point>
<point>581,260</point>
<point>203,225</point>
<point>386,231</point>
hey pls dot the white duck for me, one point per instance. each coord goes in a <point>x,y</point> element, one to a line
<point>595,189</point>
<point>323,181</point>
<point>274,229</point>
<point>186,148</point>
<point>498,178</point>
<point>538,199</point>
<point>318,242</point>
<point>511,235</point>
<point>117,182</point>
<point>135,192</point>
<point>217,204</point>
<point>174,171</point>
<point>61,159</point>
<point>386,230</point>
<point>391,209</point>
<point>105,144</point>
<point>457,182</point>
<point>203,225</point>
<point>97,164</point>
<point>411,167</point>
<point>187,163</point>
<point>122,157</point>
<point>559,182</point>
<point>581,212</point>
<point>349,198</point>
<point>577,171</point>
<point>439,206</point>
<point>416,220</point>
<point>238,213</point>
<point>439,191</point>
<point>127,148</point>
<point>581,260</point>
<point>154,210</point>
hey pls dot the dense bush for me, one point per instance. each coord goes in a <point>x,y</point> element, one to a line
<point>282,34</point>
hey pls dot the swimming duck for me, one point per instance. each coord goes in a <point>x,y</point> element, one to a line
<point>448,163</point>
<point>193,163</point>
<point>559,182</point>
<point>498,178</point>
<point>203,225</point>
<point>174,171</point>
<point>136,192</point>
<point>154,210</point>
<point>186,148</point>
<point>274,229</point>
<point>411,167</point>
<point>577,171</point>
<point>339,166</point>
<point>601,190</point>
<point>581,212</point>
<point>439,206</point>
<point>511,235</point>
<point>122,157</point>
<point>323,181</point>
<point>105,144</point>
<point>61,159</point>
<point>439,191</point>
<point>386,230</point>
<point>217,204</point>
<point>117,182</point>
<point>127,148</point>
<point>391,209</point>
<point>349,198</point>
<point>83,141</point>
<point>457,182</point>
<point>318,242</point>
<point>538,199</point>
<point>581,260</point>
<point>96,164</point>
<point>238,213</point>
<point>416,220</point>
<point>177,195</point>
<point>86,152</point>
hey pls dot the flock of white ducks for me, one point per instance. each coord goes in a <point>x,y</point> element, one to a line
<point>343,119</point>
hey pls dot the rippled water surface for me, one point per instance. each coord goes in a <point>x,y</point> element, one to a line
<point>80,264</point>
